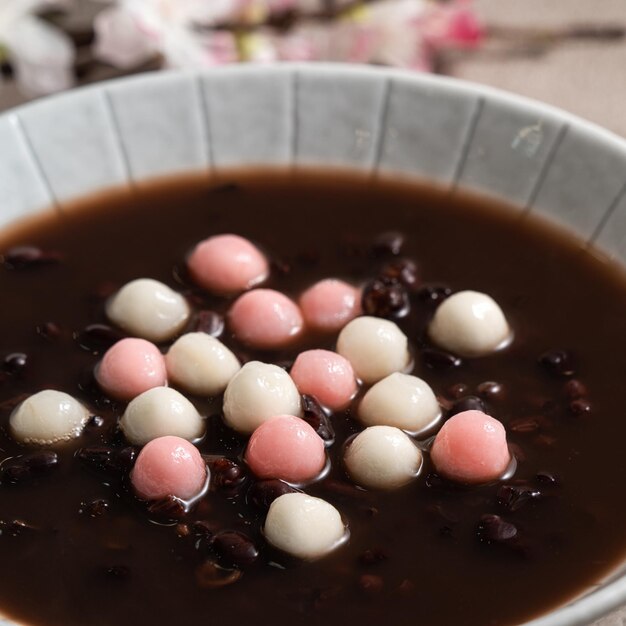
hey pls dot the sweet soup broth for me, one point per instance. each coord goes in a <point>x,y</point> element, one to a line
<point>77,548</point>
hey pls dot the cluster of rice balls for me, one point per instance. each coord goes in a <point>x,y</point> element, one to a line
<point>263,401</point>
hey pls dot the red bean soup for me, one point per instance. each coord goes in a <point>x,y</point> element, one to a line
<point>390,533</point>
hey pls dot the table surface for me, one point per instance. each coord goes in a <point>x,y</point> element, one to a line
<point>524,54</point>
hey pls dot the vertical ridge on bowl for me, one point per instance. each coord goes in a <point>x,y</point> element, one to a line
<point>160,125</point>
<point>522,145</point>
<point>532,196</point>
<point>467,142</point>
<point>412,143</point>
<point>611,231</point>
<point>338,118</point>
<point>381,125</point>
<point>76,144</point>
<point>117,136</point>
<point>24,189</point>
<point>582,175</point>
<point>253,129</point>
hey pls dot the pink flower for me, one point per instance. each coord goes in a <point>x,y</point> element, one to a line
<point>191,33</point>
<point>220,48</point>
<point>451,25</point>
<point>135,30</point>
<point>296,47</point>
<point>464,28</point>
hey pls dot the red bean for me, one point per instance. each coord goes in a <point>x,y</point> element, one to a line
<point>29,466</point>
<point>234,549</point>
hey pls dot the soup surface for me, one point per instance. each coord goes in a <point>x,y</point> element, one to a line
<point>77,548</point>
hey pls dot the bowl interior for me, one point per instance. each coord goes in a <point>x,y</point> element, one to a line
<point>377,121</point>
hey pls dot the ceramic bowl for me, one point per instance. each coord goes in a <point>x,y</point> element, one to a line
<point>456,134</point>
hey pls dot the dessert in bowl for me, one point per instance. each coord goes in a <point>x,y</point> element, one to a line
<point>370,122</point>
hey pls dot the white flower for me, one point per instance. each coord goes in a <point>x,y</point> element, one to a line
<point>135,30</point>
<point>41,55</point>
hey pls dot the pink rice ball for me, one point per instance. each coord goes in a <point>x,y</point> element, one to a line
<point>471,448</point>
<point>326,375</point>
<point>130,367</point>
<point>266,319</point>
<point>227,264</point>
<point>286,447</point>
<point>330,304</point>
<point>169,466</point>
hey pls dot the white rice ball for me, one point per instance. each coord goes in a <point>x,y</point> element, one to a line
<point>470,324</point>
<point>400,400</point>
<point>256,393</point>
<point>303,526</point>
<point>159,412</point>
<point>201,364</point>
<point>148,309</point>
<point>382,457</point>
<point>48,417</point>
<point>375,348</point>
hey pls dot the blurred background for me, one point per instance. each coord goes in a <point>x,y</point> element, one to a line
<point>570,53</point>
